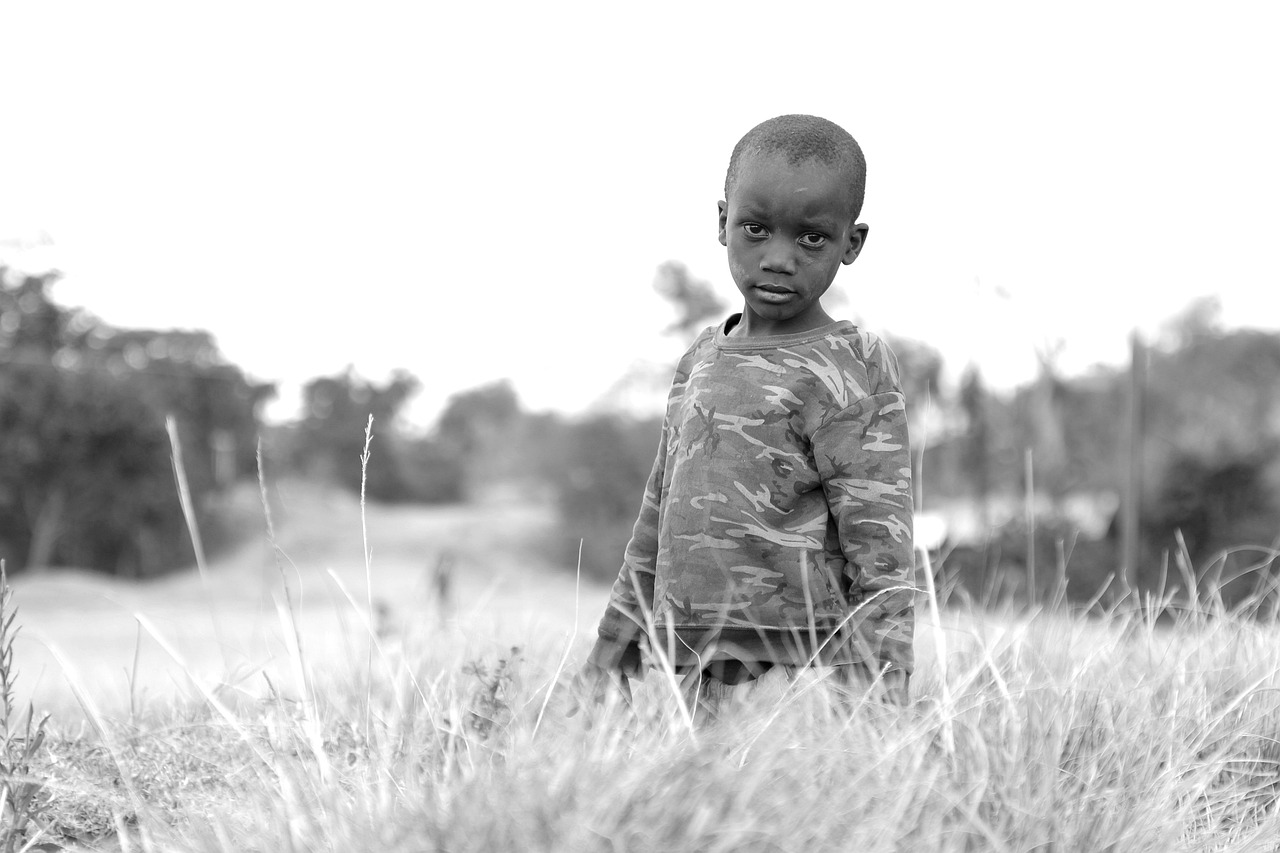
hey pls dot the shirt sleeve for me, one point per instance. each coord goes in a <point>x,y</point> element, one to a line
<point>864,461</point>
<point>623,623</point>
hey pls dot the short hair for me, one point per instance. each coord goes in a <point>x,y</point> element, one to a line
<point>802,138</point>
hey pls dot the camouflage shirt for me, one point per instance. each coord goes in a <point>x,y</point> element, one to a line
<point>776,524</point>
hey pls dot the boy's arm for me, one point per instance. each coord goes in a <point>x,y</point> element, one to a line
<point>617,648</point>
<point>863,458</point>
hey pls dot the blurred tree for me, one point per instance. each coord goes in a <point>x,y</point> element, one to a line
<point>920,369</point>
<point>477,441</point>
<point>85,471</point>
<point>482,429</point>
<point>976,456</point>
<point>1217,505</point>
<point>695,301</point>
<point>182,372</point>
<point>474,420</point>
<point>601,463</point>
<point>1041,422</point>
<point>430,472</point>
<point>328,442</point>
<point>1212,461</point>
<point>920,366</point>
<point>1199,321</point>
<point>1213,458</point>
<point>1216,393</point>
<point>32,327</point>
<point>91,485</point>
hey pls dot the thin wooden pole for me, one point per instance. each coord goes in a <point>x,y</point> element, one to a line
<point>1030,510</point>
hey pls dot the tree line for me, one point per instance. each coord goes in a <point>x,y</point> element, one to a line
<point>87,480</point>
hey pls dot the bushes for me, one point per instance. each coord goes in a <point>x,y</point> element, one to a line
<point>1217,508</point>
<point>996,570</point>
<point>598,473</point>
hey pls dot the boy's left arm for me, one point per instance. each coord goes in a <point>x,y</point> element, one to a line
<point>864,460</point>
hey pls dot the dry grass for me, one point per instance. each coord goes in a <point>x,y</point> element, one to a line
<point>1060,732</point>
<point>21,791</point>
<point>1138,729</point>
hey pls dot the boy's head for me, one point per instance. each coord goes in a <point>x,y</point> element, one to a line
<point>793,193</point>
<point>801,138</point>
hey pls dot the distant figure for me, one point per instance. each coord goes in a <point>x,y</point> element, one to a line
<point>776,528</point>
<point>382,616</point>
<point>442,583</point>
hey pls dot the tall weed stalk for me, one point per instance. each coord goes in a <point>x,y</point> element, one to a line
<point>21,793</point>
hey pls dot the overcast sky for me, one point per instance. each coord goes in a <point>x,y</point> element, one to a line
<point>476,191</point>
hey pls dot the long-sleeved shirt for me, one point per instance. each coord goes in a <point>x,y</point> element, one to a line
<point>776,524</point>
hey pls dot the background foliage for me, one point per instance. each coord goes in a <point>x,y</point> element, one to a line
<point>86,479</point>
<point>85,473</point>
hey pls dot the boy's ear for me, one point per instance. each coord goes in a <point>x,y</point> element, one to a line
<point>724,220</point>
<point>857,239</point>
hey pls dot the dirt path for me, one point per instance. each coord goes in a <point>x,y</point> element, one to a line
<point>82,629</point>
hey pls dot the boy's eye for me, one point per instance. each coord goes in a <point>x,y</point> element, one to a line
<point>754,230</point>
<point>812,240</point>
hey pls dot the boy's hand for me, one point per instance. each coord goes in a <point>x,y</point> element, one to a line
<point>896,686</point>
<point>594,685</point>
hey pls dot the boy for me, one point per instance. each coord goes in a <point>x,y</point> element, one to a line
<point>775,529</point>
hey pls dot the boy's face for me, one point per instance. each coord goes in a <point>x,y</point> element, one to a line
<point>788,228</point>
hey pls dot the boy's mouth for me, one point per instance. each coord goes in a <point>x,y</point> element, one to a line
<point>773,292</point>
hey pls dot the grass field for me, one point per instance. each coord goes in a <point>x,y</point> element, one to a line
<point>255,710</point>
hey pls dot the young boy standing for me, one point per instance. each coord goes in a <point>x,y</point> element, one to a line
<point>776,526</point>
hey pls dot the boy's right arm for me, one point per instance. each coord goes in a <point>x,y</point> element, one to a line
<point>615,657</point>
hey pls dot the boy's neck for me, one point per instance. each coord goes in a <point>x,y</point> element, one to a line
<point>751,325</point>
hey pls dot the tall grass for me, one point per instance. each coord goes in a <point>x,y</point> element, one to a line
<point>1142,727</point>
<point>1134,730</point>
<point>21,794</point>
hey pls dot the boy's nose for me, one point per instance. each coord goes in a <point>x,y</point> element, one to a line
<point>778,258</point>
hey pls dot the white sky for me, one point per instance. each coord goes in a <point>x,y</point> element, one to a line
<point>472,191</point>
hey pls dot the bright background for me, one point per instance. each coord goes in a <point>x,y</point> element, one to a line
<point>477,191</point>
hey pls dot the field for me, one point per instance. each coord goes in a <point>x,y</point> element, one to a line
<point>259,708</point>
